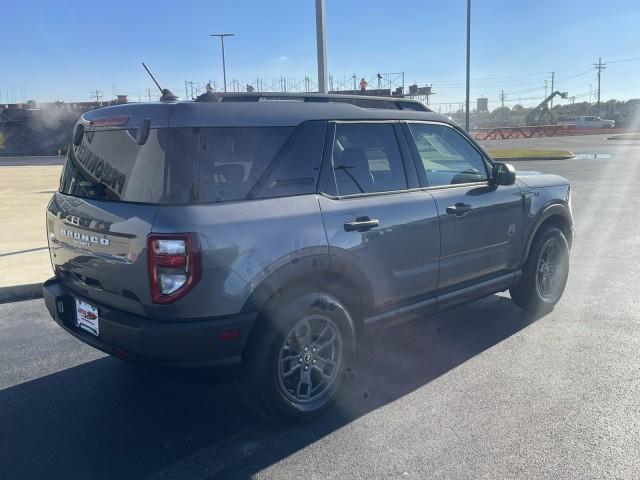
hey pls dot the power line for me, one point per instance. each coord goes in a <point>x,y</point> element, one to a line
<point>624,60</point>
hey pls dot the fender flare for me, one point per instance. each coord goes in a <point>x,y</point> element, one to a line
<point>556,209</point>
<point>312,270</point>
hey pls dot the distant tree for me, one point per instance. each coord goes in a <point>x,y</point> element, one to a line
<point>501,112</point>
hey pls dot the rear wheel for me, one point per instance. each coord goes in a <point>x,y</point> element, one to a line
<point>297,357</point>
<point>545,272</point>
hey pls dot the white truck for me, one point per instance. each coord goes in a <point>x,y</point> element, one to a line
<point>586,121</point>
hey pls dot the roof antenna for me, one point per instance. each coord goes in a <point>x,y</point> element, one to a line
<point>167,95</point>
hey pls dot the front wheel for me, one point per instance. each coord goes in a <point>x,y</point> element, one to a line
<point>545,272</point>
<point>297,357</point>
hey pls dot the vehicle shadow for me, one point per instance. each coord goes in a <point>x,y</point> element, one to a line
<point>107,419</point>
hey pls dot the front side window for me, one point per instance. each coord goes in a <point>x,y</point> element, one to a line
<point>447,157</point>
<point>366,159</point>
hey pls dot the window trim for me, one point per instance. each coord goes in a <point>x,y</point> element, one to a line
<point>326,172</point>
<point>488,164</point>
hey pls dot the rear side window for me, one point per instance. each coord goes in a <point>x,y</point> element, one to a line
<point>259,162</point>
<point>232,160</point>
<point>195,165</point>
<point>366,159</point>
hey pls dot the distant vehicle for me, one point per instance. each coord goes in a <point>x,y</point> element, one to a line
<point>265,235</point>
<point>585,121</point>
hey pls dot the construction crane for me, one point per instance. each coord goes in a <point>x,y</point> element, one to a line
<point>542,114</point>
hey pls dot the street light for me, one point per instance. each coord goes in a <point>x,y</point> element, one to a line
<point>224,67</point>
<point>321,46</point>
<point>466,118</point>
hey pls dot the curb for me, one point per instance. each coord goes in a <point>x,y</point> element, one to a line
<point>528,159</point>
<point>18,293</point>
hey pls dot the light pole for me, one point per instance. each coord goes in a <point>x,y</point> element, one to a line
<point>224,67</point>
<point>466,118</point>
<point>321,46</point>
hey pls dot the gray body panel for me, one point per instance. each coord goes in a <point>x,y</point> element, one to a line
<point>115,274</point>
<point>400,256</point>
<point>242,244</point>
<point>488,239</point>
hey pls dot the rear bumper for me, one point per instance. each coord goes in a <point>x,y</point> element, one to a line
<point>131,337</point>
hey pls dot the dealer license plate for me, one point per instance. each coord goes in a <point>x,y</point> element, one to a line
<point>87,317</point>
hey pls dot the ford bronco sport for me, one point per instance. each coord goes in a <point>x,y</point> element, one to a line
<point>263,234</point>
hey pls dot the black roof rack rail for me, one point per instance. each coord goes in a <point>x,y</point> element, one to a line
<point>362,101</point>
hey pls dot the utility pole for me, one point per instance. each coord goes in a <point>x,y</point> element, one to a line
<point>321,46</point>
<point>190,83</point>
<point>429,92</point>
<point>97,94</point>
<point>553,77</point>
<point>466,118</point>
<point>224,67</point>
<point>502,95</point>
<point>545,89</point>
<point>149,94</point>
<point>599,67</point>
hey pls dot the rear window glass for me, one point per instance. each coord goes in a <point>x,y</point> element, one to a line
<point>195,165</point>
<point>110,165</point>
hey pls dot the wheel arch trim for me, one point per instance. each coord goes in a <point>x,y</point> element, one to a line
<point>557,210</point>
<point>312,271</point>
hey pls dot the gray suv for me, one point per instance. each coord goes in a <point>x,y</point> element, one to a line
<point>262,235</point>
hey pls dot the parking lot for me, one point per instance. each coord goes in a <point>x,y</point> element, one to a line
<point>482,391</point>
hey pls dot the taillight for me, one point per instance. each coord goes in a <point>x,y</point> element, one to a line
<point>174,265</point>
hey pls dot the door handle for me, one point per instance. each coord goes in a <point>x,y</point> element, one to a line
<point>459,209</point>
<point>361,224</point>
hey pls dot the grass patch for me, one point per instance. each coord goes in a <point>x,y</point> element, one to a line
<point>531,153</point>
<point>625,136</point>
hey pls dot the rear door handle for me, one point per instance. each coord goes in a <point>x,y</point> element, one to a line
<point>361,224</point>
<point>459,209</point>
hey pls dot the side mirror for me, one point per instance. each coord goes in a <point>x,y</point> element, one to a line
<point>503,174</point>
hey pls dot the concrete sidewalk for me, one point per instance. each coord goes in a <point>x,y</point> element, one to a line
<point>24,258</point>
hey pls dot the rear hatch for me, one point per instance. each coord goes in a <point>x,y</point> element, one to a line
<point>114,180</point>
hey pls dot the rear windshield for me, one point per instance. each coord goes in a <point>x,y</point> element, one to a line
<point>195,165</point>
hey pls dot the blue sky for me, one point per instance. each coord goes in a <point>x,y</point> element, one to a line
<point>65,49</point>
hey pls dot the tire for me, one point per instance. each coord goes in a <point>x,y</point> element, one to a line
<point>297,355</point>
<point>541,287</point>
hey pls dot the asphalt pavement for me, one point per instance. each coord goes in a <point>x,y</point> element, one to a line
<point>482,391</point>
